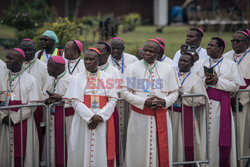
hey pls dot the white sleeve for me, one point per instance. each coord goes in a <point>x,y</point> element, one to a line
<point>82,110</point>
<point>108,110</point>
<point>171,98</point>
<point>26,113</point>
<point>137,101</point>
<point>176,58</point>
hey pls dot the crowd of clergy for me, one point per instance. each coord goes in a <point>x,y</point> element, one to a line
<point>126,110</point>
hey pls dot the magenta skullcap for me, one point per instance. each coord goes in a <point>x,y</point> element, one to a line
<point>244,33</point>
<point>27,39</point>
<point>161,40</point>
<point>117,38</point>
<point>20,51</point>
<point>199,29</point>
<point>79,45</point>
<point>58,59</point>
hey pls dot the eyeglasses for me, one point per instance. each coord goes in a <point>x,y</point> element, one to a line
<point>237,41</point>
<point>44,39</point>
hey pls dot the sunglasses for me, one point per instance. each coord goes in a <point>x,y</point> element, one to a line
<point>237,41</point>
<point>44,39</point>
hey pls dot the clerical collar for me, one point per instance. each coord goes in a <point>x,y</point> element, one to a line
<point>74,61</point>
<point>92,74</point>
<point>183,73</point>
<point>216,60</point>
<point>15,73</point>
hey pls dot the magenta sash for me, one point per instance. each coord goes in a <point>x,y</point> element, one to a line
<point>225,134</point>
<point>59,134</point>
<point>188,132</point>
<point>116,122</point>
<point>247,81</point>
<point>38,117</point>
<point>17,137</point>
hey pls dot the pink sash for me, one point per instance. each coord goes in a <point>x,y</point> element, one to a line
<point>59,134</point>
<point>225,135</point>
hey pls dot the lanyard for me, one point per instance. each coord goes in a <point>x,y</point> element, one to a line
<point>199,50</point>
<point>150,70</point>
<point>74,66</point>
<point>163,58</point>
<point>104,68</point>
<point>91,81</point>
<point>30,64</point>
<point>184,78</point>
<point>216,63</point>
<point>12,79</point>
<point>242,56</point>
<point>47,54</point>
<point>55,83</point>
<point>121,67</point>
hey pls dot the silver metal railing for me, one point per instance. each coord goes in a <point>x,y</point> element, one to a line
<point>30,105</point>
<point>238,148</point>
<point>197,163</point>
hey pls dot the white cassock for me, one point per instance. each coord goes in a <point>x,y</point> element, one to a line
<point>141,147</point>
<point>166,59</point>
<point>243,61</point>
<point>229,80</point>
<point>127,60</point>
<point>63,82</point>
<point>123,108</point>
<point>2,64</point>
<point>191,84</point>
<point>201,52</point>
<point>25,90</point>
<point>117,81</point>
<point>2,67</point>
<point>88,147</point>
<point>74,67</point>
<point>37,69</point>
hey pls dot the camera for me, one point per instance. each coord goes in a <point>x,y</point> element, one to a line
<point>190,48</point>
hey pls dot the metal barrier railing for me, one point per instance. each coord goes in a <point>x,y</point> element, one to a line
<point>45,108</point>
<point>197,163</point>
<point>238,151</point>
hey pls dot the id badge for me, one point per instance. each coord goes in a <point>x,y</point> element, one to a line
<point>148,85</point>
<point>95,101</point>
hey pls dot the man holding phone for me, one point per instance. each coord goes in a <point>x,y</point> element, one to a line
<point>54,90</point>
<point>192,45</point>
<point>224,80</point>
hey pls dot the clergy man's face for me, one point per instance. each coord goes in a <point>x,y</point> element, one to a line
<point>28,48</point>
<point>150,52</point>
<point>91,60</point>
<point>14,61</point>
<point>213,50</point>
<point>240,43</point>
<point>193,38</point>
<point>70,51</point>
<point>46,42</point>
<point>185,63</point>
<point>104,53</point>
<point>117,48</point>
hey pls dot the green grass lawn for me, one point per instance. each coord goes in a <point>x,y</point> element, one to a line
<point>173,36</point>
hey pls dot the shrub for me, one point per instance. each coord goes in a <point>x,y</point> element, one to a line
<point>130,21</point>
<point>26,15</point>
